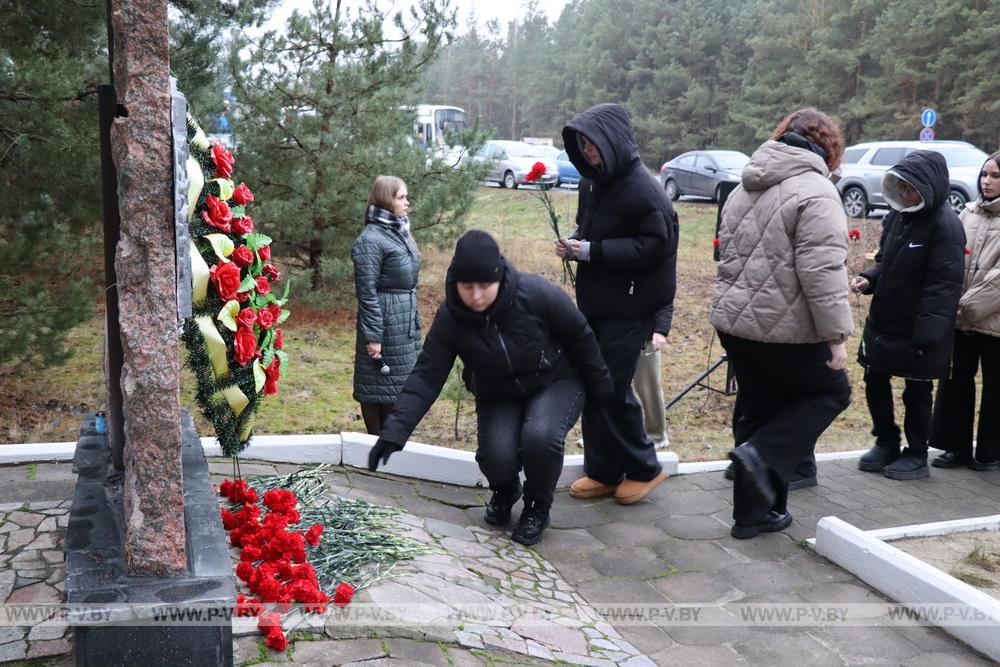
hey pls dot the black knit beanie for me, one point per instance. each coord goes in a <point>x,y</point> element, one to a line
<point>477,259</point>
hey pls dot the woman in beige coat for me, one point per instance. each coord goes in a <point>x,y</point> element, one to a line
<point>977,340</point>
<point>782,312</point>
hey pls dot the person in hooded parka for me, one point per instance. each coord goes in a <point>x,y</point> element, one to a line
<point>625,246</point>
<point>916,282</point>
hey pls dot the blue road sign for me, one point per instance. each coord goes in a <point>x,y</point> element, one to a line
<point>928,117</point>
<point>927,134</point>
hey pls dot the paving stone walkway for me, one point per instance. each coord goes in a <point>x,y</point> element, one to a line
<point>673,548</point>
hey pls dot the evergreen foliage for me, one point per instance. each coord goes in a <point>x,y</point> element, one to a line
<point>701,74</point>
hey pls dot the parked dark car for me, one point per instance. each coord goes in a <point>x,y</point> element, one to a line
<point>864,165</point>
<point>700,173</point>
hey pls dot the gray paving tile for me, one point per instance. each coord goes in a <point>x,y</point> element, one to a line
<point>698,656</point>
<point>641,562</point>
<point>412,651</point>
<point>861,644</point>
<point>759,578</point>
<point>703,555</point>
<point>619,591</point>
<point>763,648</point>
<point>693,527</point>
<point>627,534</point>
<point>698,588</point>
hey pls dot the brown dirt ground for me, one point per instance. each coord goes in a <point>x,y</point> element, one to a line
<point>950,553</point>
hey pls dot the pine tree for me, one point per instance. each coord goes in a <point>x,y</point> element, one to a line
<point>324,110</point>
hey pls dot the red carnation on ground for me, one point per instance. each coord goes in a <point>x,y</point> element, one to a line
<point>223,160</point>
<point>343,594</point>
<point>312,535</point>
<point>536,173</point>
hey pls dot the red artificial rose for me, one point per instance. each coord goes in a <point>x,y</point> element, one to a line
<point>244,346</point>
<point>312,535</point>
<point>217,213</point>
<point>243,297</point>
<point>242,194</point>
<point>279,339</point>
<point>225,277</point>
<point>223,160</point>
<point>264,253</point>
<point>243,225</point>
<point>242,256</point>
<point>854,234</point>
<point>246,318</point>
<point>272,374</point>
<point>343,594</point>
<point>263,286</point>
<point>265,318</point>
<point>272,273</point>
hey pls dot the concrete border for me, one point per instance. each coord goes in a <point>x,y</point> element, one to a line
<point>417,460</point>
<point>910,580</point>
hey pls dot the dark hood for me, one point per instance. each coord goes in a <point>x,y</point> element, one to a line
<point>608,127</point>
<point>926,171</point>
<point>508,287</point>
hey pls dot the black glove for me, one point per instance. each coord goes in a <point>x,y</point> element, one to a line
<point>382,450</point>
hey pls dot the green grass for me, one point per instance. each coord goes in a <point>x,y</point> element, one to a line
<point>316,387</point>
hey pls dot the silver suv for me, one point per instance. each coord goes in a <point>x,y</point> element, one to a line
<point>861,171</point>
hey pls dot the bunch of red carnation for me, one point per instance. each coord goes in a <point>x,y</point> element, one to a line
<point>273,558</point>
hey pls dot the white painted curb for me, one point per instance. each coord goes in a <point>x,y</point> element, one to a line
<point>909,580</point>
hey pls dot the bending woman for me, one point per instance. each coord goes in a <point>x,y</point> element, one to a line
<point>386,263</point>
<point>530,359</point>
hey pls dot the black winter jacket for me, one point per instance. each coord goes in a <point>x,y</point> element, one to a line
<point>916,280</point>
<point>624,213</point>
<point>530,337</point>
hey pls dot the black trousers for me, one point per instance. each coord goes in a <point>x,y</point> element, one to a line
<point>916,415</point>
<point>375,415</point>
<point>615,444</point>
<point>788,397</point>
<point>955,407</point>
<point>528,434</point>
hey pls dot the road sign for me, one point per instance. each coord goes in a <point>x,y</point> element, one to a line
<point>927,134</point>
<point>928,117</point>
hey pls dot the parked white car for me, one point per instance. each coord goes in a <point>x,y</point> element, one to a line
<point>511,161</point>
<point>860,182</point>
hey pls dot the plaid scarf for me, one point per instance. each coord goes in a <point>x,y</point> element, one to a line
<point>384,217</point>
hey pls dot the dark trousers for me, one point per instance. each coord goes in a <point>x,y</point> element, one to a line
<point>615,444</point>
<point>528,434</point>
<point>788,397</point>
<point>955,407</point>
<point>916,414</point>
<point>375,415</point>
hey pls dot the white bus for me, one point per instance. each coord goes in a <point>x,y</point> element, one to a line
<point>434,123</point>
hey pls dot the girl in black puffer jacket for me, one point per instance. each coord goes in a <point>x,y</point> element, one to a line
<point>917,282</point>
<point>529,358</point>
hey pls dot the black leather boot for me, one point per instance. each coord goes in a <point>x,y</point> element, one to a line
<point>772,523</point>
<point>749,460</point>
<point>498,509</point>
<point>531,525</point>
<point>878,457</point>
<point>909,465</point>
<point>951,460</point>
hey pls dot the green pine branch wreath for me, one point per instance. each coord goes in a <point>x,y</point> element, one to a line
<point>233,338</point>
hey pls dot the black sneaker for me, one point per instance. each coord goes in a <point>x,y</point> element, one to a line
<point>531,525</point>
<point>909,465</point>
<point>951,460</point>
<point>984,466</point>
<point>774,522</point>
<point>804,475</point>
<point>501,502</point>
<point>878,457</point>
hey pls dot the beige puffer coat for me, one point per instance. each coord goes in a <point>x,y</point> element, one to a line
<point>979,307</point>
<point>783,252</point>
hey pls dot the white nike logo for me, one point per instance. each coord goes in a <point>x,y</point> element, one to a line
<point>915,245</point>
